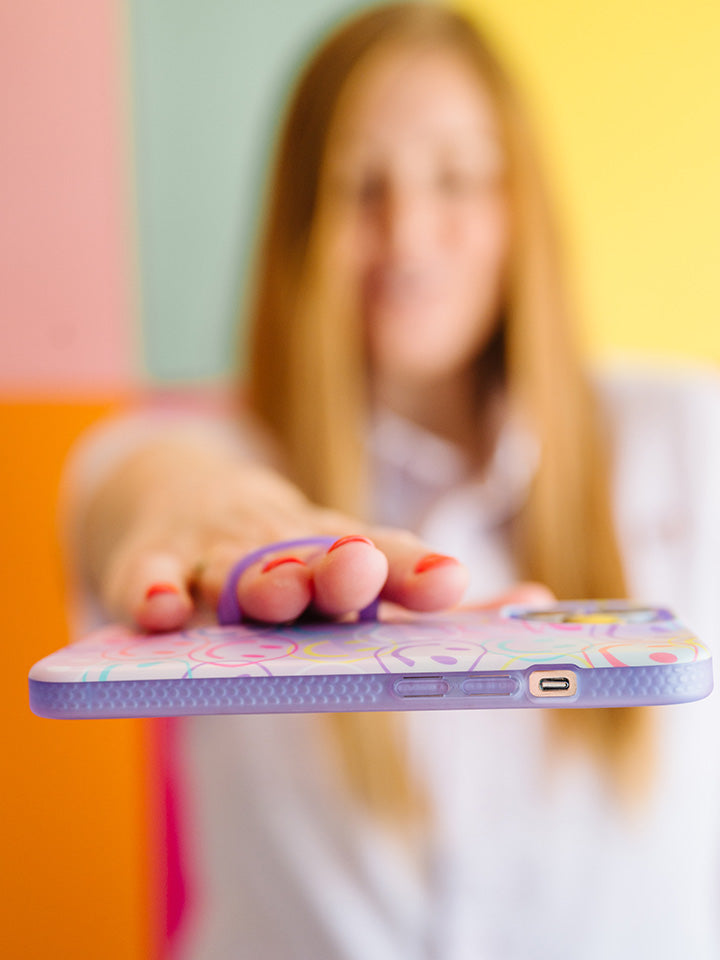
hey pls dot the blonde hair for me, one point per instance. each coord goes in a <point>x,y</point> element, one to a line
<point>307,382</point>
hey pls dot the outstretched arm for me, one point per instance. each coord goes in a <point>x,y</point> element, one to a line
<point>156,538</point>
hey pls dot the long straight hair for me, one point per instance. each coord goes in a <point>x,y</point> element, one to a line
<point>307,383</point>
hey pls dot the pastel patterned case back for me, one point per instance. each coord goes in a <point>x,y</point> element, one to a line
<point>605,653</point>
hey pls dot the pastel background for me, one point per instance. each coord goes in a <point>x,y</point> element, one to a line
<point>132,148</point>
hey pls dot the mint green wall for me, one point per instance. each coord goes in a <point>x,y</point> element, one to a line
<point>208,80</point>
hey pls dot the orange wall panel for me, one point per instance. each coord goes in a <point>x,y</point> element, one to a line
<point>76,874</point>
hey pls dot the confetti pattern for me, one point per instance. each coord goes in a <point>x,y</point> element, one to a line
<point>586,634</point>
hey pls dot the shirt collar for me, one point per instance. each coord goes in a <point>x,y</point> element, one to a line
<point>439,465</point>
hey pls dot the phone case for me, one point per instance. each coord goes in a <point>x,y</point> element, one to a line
<point>605,653</point>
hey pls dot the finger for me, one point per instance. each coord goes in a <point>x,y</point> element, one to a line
<point>419,578</point>
<point>348,576</point>
<point>276,588</point>
<point>147,589</point>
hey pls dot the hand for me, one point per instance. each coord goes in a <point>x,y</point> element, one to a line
<point>168,569</point>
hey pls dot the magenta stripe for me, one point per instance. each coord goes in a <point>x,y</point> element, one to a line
<point>173,874</point>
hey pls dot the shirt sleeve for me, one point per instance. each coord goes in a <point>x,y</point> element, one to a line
<point>104,445</point>
<point>665,420</point>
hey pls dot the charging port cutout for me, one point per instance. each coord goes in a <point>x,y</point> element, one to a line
<point>552,683</point>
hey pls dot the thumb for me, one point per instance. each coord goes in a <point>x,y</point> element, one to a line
<point>526,592</point>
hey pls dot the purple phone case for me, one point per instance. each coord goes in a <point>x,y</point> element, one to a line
<point>612,653</point>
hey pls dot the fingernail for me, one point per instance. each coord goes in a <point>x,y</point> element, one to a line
<point>432,560</point>
<point>161,588</point>
<point>351,539</point>
<point>271,564</point>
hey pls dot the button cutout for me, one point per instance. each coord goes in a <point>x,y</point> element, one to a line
<point>421,687</point>
<point>489,686</point>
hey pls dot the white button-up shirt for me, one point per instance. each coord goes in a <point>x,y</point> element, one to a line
<point>524,861</point>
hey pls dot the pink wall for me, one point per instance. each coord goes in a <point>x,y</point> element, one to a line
<point>67,319</point>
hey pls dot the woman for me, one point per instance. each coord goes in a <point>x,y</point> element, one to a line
<point>414,390</point>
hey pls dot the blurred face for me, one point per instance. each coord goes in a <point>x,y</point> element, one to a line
<point>415,173</point>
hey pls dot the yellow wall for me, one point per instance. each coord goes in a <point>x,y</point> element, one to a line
<point>625,94</point>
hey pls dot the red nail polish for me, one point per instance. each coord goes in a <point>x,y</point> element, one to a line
<point>432,560</point>
<point>161,588</point>
<point>350,539</point>
<point>271,564</point>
